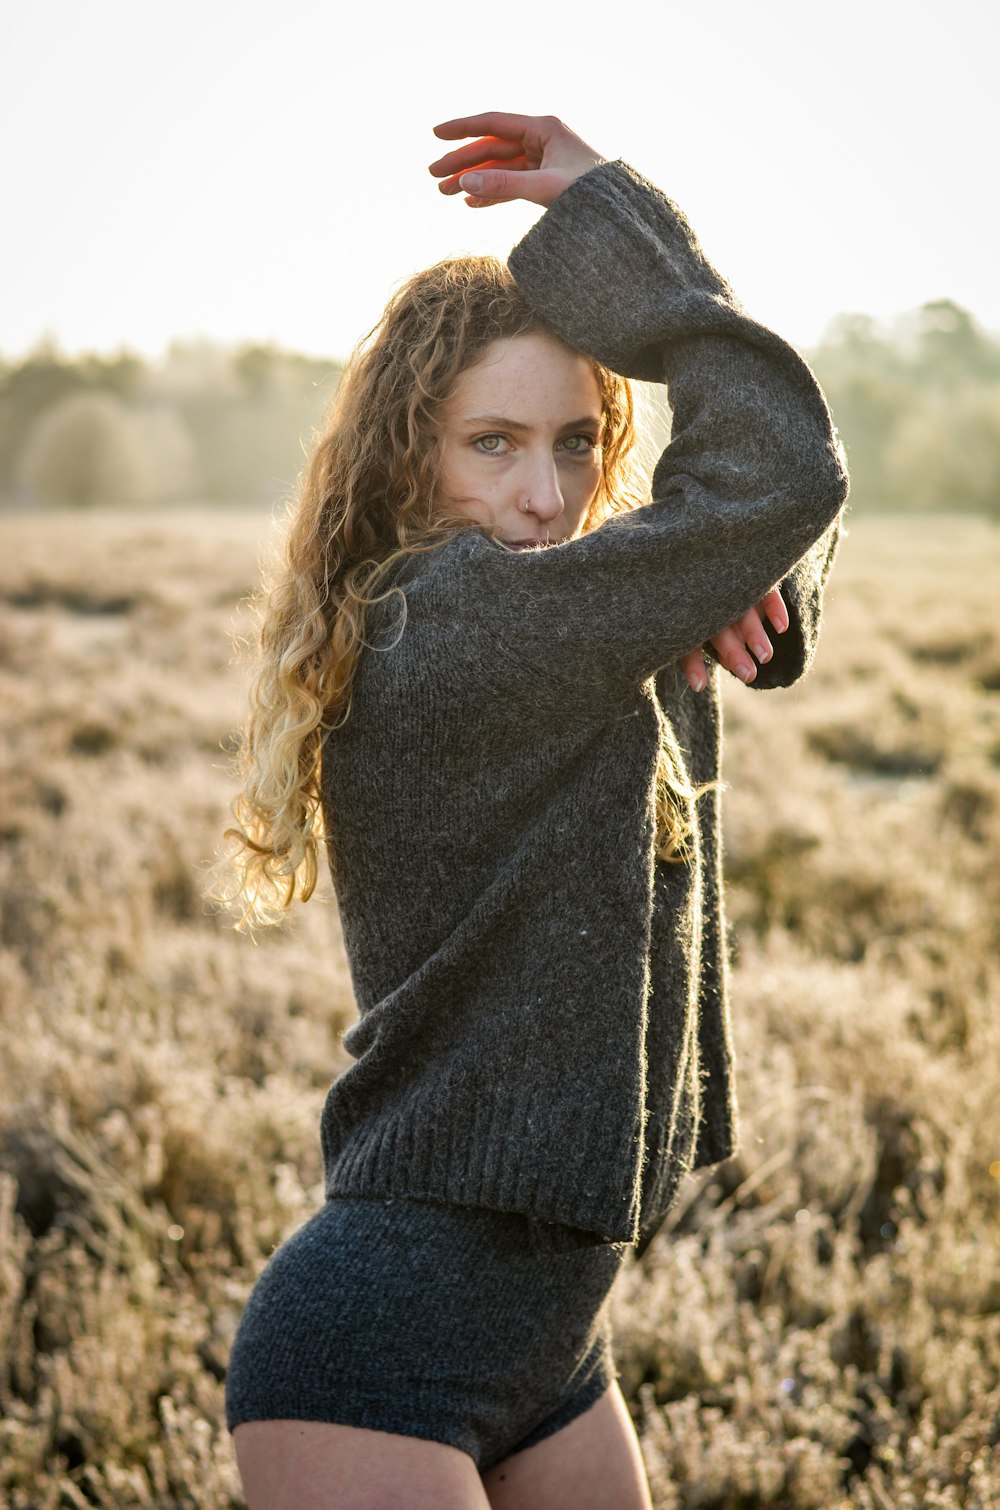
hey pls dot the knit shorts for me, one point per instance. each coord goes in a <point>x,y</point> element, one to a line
<point>449,1323</point>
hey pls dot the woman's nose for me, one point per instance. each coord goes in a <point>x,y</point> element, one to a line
<point>542,494</point>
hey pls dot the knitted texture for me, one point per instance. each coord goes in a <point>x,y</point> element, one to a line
<point>425,1321</point>
<point>543,1013</point>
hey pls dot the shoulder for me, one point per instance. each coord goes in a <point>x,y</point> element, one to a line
<point>447,561</point>
<point>433,594</point>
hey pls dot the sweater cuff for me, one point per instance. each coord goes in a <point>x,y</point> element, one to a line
<point>615,270</point>
<point>803,592</point>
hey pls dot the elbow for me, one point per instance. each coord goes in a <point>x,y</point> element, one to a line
<point>809,462</point>
<point>833,478</point>
<point>822,483</point>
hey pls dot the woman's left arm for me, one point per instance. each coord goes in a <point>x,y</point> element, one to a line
<point>614,268</point>
<point>536,158</point>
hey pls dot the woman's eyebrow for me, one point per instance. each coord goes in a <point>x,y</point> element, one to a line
<point>516,424</point>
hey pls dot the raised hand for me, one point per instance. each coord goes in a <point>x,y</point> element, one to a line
<point>533,157</point>
<point>731,642</point>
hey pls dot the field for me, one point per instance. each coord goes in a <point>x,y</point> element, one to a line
<point>819,1324</point>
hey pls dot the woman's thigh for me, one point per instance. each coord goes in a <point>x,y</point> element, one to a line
<point>313,1465</point>
<point>594,1463</point>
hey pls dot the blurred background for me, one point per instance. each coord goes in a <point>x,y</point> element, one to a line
<point>207,206</point>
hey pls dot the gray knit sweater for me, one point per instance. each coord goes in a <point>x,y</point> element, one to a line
<point>543,1017</point>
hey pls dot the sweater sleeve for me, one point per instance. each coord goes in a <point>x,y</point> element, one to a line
<point>751,480</point>
<point>802,591</point>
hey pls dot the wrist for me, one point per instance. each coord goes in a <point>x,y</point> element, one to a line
<point>579,169</point>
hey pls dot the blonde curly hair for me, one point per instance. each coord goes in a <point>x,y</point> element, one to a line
<point>367,497</point>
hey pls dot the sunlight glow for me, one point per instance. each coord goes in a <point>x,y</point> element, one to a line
<point>196,169</point>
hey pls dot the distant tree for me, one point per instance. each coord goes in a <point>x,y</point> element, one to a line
<point>951,344</point>
<point>27,390</point>
<point>34,385</point>
<point>256,367</point>
<point>868,387</point>
<point>945,451</point>
<point>123,374</point>
<point>86,450</point>
<point>196,367</point>
<point>916,407</point>
<point>169,452</point>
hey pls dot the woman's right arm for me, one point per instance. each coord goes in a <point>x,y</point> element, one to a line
<point>751,479</point>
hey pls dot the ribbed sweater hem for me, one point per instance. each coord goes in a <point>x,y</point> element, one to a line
<point>483,1156</point>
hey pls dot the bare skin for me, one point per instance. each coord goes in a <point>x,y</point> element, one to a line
<point>594,1463</point>
<point>536,158</point>
<point>535,478</point>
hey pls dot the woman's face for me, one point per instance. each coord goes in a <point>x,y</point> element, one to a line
<point>521,441</point>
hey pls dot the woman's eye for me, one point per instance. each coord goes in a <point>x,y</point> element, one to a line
<point>499,445</point>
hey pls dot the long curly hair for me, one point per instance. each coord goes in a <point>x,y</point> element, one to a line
<point>367,497</point>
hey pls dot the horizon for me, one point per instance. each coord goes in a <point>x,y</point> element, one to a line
<point>890,328</point>
<point>268,185</point>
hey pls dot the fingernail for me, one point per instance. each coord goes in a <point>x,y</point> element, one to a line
<point>745,673</point>
<point>762,651</point>
<point>697,680</point>
<point>472,182</point>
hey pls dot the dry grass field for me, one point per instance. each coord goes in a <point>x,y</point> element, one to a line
<point>819,1324</point>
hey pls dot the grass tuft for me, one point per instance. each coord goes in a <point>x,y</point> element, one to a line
<point>818,1323</point>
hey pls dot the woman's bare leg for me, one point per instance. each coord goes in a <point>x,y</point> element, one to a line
<point>594,1463</point>
<point>311,1465</point>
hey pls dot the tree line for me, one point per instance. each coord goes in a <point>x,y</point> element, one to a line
<point>208,422</point>
<point>917,405</point>
<point>918,408</point>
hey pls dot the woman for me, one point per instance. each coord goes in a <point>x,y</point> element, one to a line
<point>483,687</point>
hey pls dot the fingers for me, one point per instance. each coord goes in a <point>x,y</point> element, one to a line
<point>499,185</point>
<point>752,631</point>
<point>693,666</point>
<point>731,649</point>
<point>773,604</point>
<point>453,185</point>
<point>732,643</point>
<point>492,123</point>
<point>532,157</point>
<point>486,152</point>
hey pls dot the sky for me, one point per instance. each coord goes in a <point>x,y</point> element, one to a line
<point>259,173</point>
